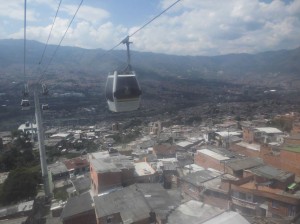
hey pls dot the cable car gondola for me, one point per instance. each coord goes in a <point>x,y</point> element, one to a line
<point>25,104</point>
<point>122,90</point>
<point>45,107</point>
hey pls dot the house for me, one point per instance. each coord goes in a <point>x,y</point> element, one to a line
<point>79,209</point>
<point>77,165</point>
<point>29,128</point>
<point>236,167</point>
<point>206,186</point>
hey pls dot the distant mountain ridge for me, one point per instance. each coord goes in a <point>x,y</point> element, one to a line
<point>273,68</point>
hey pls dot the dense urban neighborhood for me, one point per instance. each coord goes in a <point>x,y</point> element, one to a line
<point>233,171</point>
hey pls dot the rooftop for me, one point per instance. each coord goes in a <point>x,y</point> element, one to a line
<point>199,177</point>
<point>112,164</point>
<point>76,163</point>
<point>228,133</point>
<point>193,212</point>
<point>252,146</point>
<point>57,168</point>
<point>271,173</point>
<point>14,209</point>
<point>246,163</point>
<point>212,154</point>
<point>159,200</point>
<point>128,202</point>
<point>143,169</point>
<point>269,130</point>
<point>77,205</point>
<point>184,144</point>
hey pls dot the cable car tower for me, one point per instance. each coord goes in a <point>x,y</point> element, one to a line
<point>123,92</point>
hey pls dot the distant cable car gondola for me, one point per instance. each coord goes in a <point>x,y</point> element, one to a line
<point>123,92</point>
<point>25,104</point>
<point>45,107</point>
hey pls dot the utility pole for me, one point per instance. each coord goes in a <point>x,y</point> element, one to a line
<point>40,131</point>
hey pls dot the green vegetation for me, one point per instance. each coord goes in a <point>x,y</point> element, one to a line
<point>24,171</point>
<point>282,124</point>
<point>61,193</point>
<point>293,148</point>
<point>21,184</point>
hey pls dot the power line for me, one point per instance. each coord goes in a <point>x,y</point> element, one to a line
<point>50,32</point>
<point>51,59</point>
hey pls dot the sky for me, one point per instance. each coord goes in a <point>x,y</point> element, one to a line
<point>191,27</point>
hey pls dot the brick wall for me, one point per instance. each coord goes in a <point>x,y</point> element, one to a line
<point>290,161</point>
<point>207,162</point>
<point>248,135</point>
<point>108,181</point>
<point>88,217</point>
<point>244,151</point>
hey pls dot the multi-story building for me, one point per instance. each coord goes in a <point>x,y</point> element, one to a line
<point>266,191</point>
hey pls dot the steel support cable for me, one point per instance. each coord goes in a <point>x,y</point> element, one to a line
<point>51,59</point>
<point>50,32</point>
<point>24,66</point>
<point>142,27</point>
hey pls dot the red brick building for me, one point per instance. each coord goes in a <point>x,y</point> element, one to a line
<point>110,173</point>
<point>209,159</point>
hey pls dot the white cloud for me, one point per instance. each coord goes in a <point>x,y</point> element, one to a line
<point>15,10</point>
<point>192,27</point>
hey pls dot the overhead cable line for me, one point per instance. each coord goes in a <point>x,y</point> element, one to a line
<point>50,32</point>
<point>24,66</point>
<point>51,59</point>
<point>142,27</point>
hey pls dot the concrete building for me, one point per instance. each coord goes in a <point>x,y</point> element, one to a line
<point>266,191</point>
<point>210,159</point>
<point>28,128</point>
<point>206,186</point>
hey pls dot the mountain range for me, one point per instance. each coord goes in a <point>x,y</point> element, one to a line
<point>273,68</point>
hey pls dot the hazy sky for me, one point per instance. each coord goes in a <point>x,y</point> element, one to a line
<point>192,27</point>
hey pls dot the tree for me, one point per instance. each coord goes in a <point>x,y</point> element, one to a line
<point>21,184</point>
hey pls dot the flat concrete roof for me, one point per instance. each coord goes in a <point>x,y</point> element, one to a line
<point>269,130</point>
<point>230,133</point>
<point>193,212</point>
<point>253,146</point>
<point>143,169</point>
<point>184,143</point>
<point>212,154</point>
